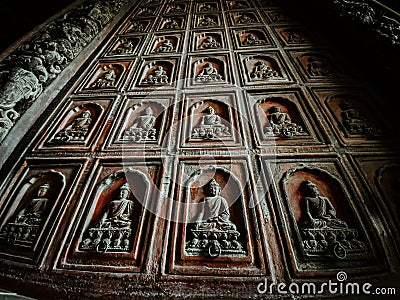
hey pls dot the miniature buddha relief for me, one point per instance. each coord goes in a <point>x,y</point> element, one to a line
<point>77,130</point>
<point>125,46</point>
<point>146,11</point>
<point>294,36</point>
<point>237,4</point>
<point>281,125</point>
<point>176,8</point>
<point>355,122</point>
<point>214,234</point>
<point>171,24</point>
<point>107,76</point>
<point>322,231</point>
<point>165,45</point>
<point>211,126</point>
<point>137,26</point>
<point>207,72</point>
<point>319,66</point>
<point>249,38</point>
<point>143,128</point>
<point>208,42</point>
<point>244,18</point>
<point>263,69</point>
<point>207,21</point>
<point>207,7</point>
<point>277,16</point>
<point>156,73</point>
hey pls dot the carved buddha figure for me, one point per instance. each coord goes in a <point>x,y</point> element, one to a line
<point>207,21</point>
<point>77,130</point>
<point>176,8</point>
<point>354,122</point>
<point>211,126</point>
<point>209,42</point>
<point>33,212</point>
<point>119,212</point>
<point>206,7</point>
<point>294,37</point>
<point>318,66</point>
<point>236,4</point>
<point>172,24</point>
<point>143,127</point>
<point>126,47</point>
<point>136,27</point>
<point>320,212</point>
<point>261,71</point>
<point>106,80</point>
<point>244,19</point>
<point>208,73</point>
<point>252,39</point>
<point>215,210</point>
<point>159,75</point>
<point>280,123</point>
<point>166,46</point>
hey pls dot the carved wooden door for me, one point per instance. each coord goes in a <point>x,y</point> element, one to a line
<point>189,148</point>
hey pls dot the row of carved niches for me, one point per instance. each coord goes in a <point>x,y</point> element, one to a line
<point>116,219</point>
<point>142,123</point>
<point>261,69</point>
<point>78,125</point>
<point>33,206</point>
<point>356,117</point>
<point>210,121</point>
<point>382,174</point>
<point>318,66</point>
<point>214,229</point>
<point>293,36</point>
<point>284,118</point>
<point>325,224</point>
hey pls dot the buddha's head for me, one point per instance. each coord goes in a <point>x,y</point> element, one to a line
<point>310,188</point>
<point>43,190</point>
<point>214,189</point>
<point>124,191</point>
<point>210,110</point>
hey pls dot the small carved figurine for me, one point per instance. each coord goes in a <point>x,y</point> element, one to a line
<point>211,126</point>
<point>207,21</point>
<point>262,71</point>
<point>354,122</point>
<point>251,40</point>
<point>143,129</point>
<point>208,73</point>
<point>166,46</point>
<point>106,80</point>
<point>209,42</point>
<point>281,125</point>
<point>127,46</point>
<point>158,76</point>
<point>77,130</point>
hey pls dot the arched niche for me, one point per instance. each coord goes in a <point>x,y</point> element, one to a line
<point>335,232</point>
<point>317,64</point>
<point>231,191</point>
<point>77,125</point>
<point>166,43</point>
<point>101,238</point>
<point>266,105</point>
<point>132,120</point>
<point>157,73</point>
<point>200,110</point>
<point>107,76</point>
<point>29,212</point>
<point>212,68</point>
<point>354,116</point>
<point>263,67</point>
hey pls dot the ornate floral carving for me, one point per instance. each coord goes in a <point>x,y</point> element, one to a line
<point>214,233</point>
<point>281,125</point>
<point>211,126</point>
<point>143,128</point>
<point>35,63</point>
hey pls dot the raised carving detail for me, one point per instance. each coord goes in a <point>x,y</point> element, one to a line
<point>281,125</point>
<point>106,79</point>
<point>77,130</point>
<point>208,20</point>
<point>136,26</point>
<point>262,71</point>
<point>355,122</point>
<point>209,42</point>
<point>214,233</point>
<point>211,126</point>
<point>250,39</point>
<point>159,75</point>
<point>244,18</point>
<point>35,64</point>
<point>143,128</point>
<point>164,45</point>
<point>322,232</point>
<point>113,231</point>
<point>176,9</point>
<point>319,66</point>
<point>126,46</point>
<point>237,4</point>
<point>208,73</point>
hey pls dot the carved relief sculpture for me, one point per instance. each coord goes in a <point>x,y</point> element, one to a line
<point>244,18</point>
<point>26,225</point>
<point>354,122</point>
<point>127,46</point>
<point>237,5</point>
<point>262,71</point>
<point>159,75</point>
<point>323,233</point>
<point>164,46</point>
<point>208,73</point>
<point>171,24</point>
<point>136,26</point>
<point>106,79</point>
<point>206,21</point>
<point>176,8</point>
<point>281,125</point>
<point>77,130</point>
<point>209,43</point>
<point>113,231</point>
<point>143,128</point>
<point>211,126</point>
<point>294,37</point>
<point>319,66</point>
<point>214,233</point>
<point>251,40</point>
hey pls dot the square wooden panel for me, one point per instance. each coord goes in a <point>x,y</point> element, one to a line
<point>34,206</point>
<point>208,40</point>
<point>209,20</point>
<point>168,43</point>
<point>210,121</point>
<point>293,36</point>
<point>230,248</point>
<point>155,73</point>
<point>263,69</point>
<point>209,70</point>
<point>283,118</point>
<point>142,123</point>
<point>325,227</point>
<point>243,18</point>
<point>252,38</point>
<point>106,76</point>
<point>173,22</point>
<point>113,227</point>
<point>125,45</point>
<point>77,126</point>
<point>353,114</point>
